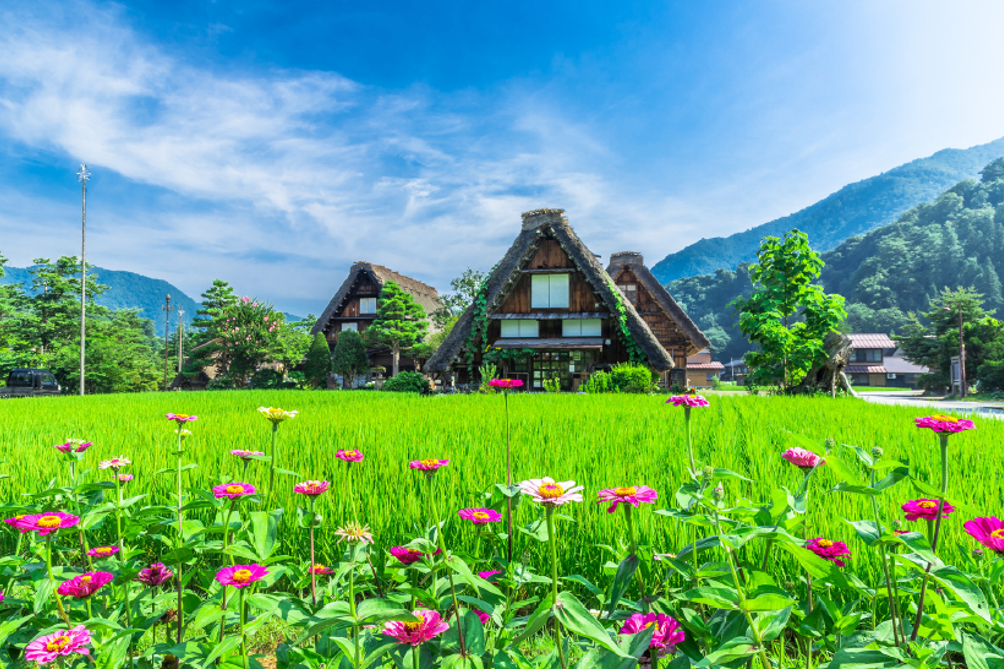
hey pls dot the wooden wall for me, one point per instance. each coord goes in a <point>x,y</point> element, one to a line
<point>551,256</point>
<point>663,327</point>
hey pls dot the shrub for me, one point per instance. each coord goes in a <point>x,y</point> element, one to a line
<point>407,382</point>
<point>349,359</point>
<point>318,362</point>
<point>629,377</point>
<point>991,375</point>
<point>599,382</point>
<point>266,379</point>
<point>552,385</point>
<point>486,373</point>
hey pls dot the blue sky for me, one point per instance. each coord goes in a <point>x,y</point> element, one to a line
<point>271,144</point>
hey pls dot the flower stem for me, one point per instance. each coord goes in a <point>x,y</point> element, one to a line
<point>271,464</point>
<point>943,439</point>
<point>55,593</point>
<point>885,568</point>
<point>552,539</point>
<point>125,586</point>
<point>690,442</point>
<point>508,479</point>
<point>352,606</point>
<point>180,539</point>
<point>633,538</point>
<point>244,649</point>
<point>449,571</point>
<point>226,545</point>
<point>313,576</point>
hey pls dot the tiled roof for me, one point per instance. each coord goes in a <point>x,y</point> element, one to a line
<point>706,365</point>
<point>894,364</point>
<point>871,340</point>
<point>865,369</point>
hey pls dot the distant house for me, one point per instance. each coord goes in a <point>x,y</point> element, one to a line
<point>702,370</point>
<point>735,371</point>
<point>876,361</point>
<point>354,307</point>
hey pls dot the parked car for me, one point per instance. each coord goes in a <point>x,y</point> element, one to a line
<point>30,383</point>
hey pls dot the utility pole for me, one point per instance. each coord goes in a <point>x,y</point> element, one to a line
<point>962,357</point>
<point>167,332</point>
<point>83,176</point>
<point>181,335</point>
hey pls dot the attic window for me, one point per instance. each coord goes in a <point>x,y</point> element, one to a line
<point>367,305</point>
<point>630,291</point>
<point>549,291</point>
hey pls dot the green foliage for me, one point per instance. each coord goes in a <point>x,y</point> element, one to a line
<point>318,362</point>
<point>487,372</point>
<point>400,322</point>
<point>627,377</point>
<point>349,359</point>
<point>407,382</point>
<point>267,379</point>
<point>635,353</point>
<point>991,376</point>
<point>465,288</point>
<point>786,316</point>
<point>552,385</point>
<point>598,382</point>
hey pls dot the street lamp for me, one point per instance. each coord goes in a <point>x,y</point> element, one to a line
<point>83,176</point>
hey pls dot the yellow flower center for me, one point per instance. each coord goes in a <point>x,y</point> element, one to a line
<point>550,491</point>
<point>998,534</point>
<point>181,416</point>
<point>84,580</point>
<point>626,492</point>
<point>414,626</point>
<point>430,463</point>
<point>57,644</point>
<point>104,550</point>
<point>234,489</point>
<point>352,454</point>
<point>48,522</point>
<point>927,504</point>
<point>242,575</point>
<point>654,623</point>
<point>412,551</point>
<point>824,543</point>
<point>319,567</point>
<point>945,419</point>
<point>480,515</point>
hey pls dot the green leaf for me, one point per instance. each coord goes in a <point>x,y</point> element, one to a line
<point>717,597</point>
<point>960,584</point>
<point>534,623</point>
<point>980,653</point>
<point>776,625</point>
<point>769,602</point>
<point>729,474</point>
<point>841,470</point>
<point>381,610</point>
<point>229,645</point>
<point>265,531</point>
<point>732,649</point>
<point>859,658</point>
<point>866,529</point>
<point>576,617</point>
<point>622,580</point>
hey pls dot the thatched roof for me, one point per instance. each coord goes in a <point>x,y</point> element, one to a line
<point>423,294</point>
<point>536,225</point>
<point>631,260</point>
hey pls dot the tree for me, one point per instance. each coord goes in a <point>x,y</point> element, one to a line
<point>318,362</point>
<point>465,289</point>
<point>349,359</point>
<point>787,316</point>
<point>400,322</point>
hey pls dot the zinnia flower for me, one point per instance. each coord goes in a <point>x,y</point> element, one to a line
<point>47,649</point>
<point>233,490</point>
<point>633,495</point>
<point>349,456</point>
<point>409,555</point>
<point>482,616</point>
<point>321,570</point>
<point>312,488</point>
<point>926,509</point>
<point>687,401</point>
<point>181,418</point>
<point>505,383</point>
<point>73,446</point>
<point>667,633</point>
<point>354,531</point>
<point>802,458</point>
<point>276,415</point>
<point>85,585</point>
<point>115,464</point>
<point>428,626</point>
<point>942,423</point>
<point>987,531</point>
<point>125,478</point>
<point>46,523</point>
<point>103,551</point>
<point>429,465</point>
<point>546,491</point>
<point>487,575</point>
<point>241,575</point>
<point>480,516</point>
<point>829,550</point>
<point>155,574</point>
<point>245,455</point>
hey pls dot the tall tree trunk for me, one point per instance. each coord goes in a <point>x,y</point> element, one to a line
<point>395,352</point>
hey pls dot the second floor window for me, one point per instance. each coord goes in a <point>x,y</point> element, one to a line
<point>520,328</point>
<point>868,355</point>
<point>630,291</point>
<point>367,305</point>
<point>350,326</point>
<point>549,291</point>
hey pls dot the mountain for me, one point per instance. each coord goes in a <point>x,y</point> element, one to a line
<point>957,240</point>
<point>852,210</point>
<point>128,290</point>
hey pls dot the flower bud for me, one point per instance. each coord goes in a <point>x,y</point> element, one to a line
<point>829,443</point>
<point>709,471</point>
<point>789,585</point>
<point>978,554</point>
<point>897,524</point>
<point>718,493</point>
<point>877,452</point>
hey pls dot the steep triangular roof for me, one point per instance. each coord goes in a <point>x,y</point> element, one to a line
<point>630,260</point>
<point>423,293</point>
<point>536,225</point>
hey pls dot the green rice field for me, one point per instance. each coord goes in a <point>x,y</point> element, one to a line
<point>599,441</point>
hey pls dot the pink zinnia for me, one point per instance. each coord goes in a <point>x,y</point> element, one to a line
<point>181,418</point>
<point>245,455</point>
<point>73,446</point>
<point>429,465</point>
<point>85,585</point>
<point>233,490</point>
<point>155,574</point>
<point>480,516</point>
<point>349,456</point>
<point>487,575</point>
<point>687,401</point>
<point>46,523</point>
<point>103,551</point>
<point>506,383</point>
<point>667,633</point>
<point>987,531</point>
<point>802,458</point>
<point>241,575</point>
<point>941,423</point>
<point>311,488</point>
<point>829,550</point>
<point>547,491</point>
<point>409,555</point>
<point>115,463</point>
<point>47,649</point>
<point>482,616</point>
<point>926,509</point>
<point>125,478</point>
<point>428,626</point>
<point>633,495</point>
<point>321,570</point>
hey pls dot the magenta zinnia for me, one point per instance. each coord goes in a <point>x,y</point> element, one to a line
<point>687,401</point>
<point>482,616</point>
<point>103,551</point>
<point>73,446</point>
<point>85,585</point>
<point>506,383</point>
<point>633,495</point>
<point>942,423</point>
<point>311,488</point>
<point>480,516</point>
<point>829,550</point>
<point>241,575</point>
<point>46,523</point>
<point>987,531</point>
<point>233,490</point>
<point>245,455</point>
<point>115,464</point>
<point>124,478</point>
<point>487,575</point>
<point>428,465</point>
<point>926,509</point>
<point>155,574</point>
<point>409,555</point>
<point>428,626</point>
<point>181,418</point>
<point>667,632</point>
<point>547,491</point>
<point>802,458</point>
<point>49,648</point>
<point>349,456</point>
<point>321,570</point>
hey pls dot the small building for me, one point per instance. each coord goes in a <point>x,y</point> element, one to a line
<point>734,371</point>
<point>702,370</point>
<point>354,307</point>
<point>900,372</point>
<point>877,361</point>
<point>548,312</point>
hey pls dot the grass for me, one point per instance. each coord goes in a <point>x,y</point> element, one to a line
<point>597,440</point>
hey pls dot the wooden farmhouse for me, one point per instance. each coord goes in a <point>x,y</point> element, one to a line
<point>547,311</point>
<point>669,323</point>
<point>354,307</point>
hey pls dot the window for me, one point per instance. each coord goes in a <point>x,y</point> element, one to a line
<point>520,328</point>
<point>869,355</point>
<point>549,291</point>
<point>630,291</point>
<point>49,380</point>
<point>350,326</point>
<point>19,379</point>
<point>890,376</point>
<point>582,327</point>
<point>367,305</point>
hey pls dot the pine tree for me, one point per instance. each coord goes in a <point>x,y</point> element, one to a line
<point>400,322</point>
<point>318,362</point>
<point>349,359</point>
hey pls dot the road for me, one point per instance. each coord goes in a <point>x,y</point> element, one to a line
<point>914,398</point>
